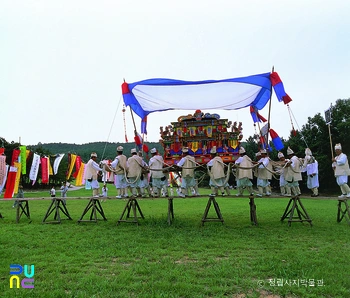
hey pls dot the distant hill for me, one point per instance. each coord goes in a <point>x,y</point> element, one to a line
<point>104,150</point>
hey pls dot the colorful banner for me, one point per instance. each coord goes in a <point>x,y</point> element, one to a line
<point>50,167</point>
<point>44,170</point>
<point>4,181</point>
<point>77,166</point>
<point>23,156</point>
<point>57,163</point>
<point>79,178</point>
<point>18,166</point>
<point>2,169</point>
<point>72,158</point>
<point>15,155</point>
<point>34,168</point>
<point>10,184</point>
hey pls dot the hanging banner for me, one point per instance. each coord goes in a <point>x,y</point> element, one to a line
<point>50,167</point>
<point>10,184</point>
<point>18,166</point>
<point>5,178</point>
<point>15,154</point>
<point>3,171</point>
<point>57,163</point>
<point>23,156</point>
<point>79,178</point>
<point>2,150</point>
<point>77,166</point>
<point>72,158</point>
<point>44,170</point>
<point>34,168</point>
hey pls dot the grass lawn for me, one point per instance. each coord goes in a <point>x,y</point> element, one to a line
<point>185,259</point>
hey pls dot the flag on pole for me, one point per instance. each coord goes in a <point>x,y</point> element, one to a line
<point>328,116</point>
<point>256,116</point>
<point>144,125</point>
<point>279,88</point>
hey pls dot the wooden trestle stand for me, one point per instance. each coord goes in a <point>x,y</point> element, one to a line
<point>217,210</point>
<point>295,204</point>
<point>133,205</point>
<point>22,208</point>
<point>343,213</point>
<point>57,205</point>
<point>170,210</point>
<point>95,206</point>
<point>253,217</point>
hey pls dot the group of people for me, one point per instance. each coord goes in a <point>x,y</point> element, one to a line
<point>290,171</point>
<point>132,173</point>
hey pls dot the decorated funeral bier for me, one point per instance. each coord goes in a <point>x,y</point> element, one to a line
<point>201,132</point>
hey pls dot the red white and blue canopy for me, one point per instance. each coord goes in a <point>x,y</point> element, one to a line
<point>155,95</point>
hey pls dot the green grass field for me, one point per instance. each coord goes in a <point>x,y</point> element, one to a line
<point>185,259</point>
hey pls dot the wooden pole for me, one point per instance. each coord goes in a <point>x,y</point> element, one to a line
<point>330,139</point>
<point>269,116</point>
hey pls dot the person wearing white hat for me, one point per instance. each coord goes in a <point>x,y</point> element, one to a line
<point>244,173</point>
<point>120,168</point>
<point>216,172</point>
<point>293,172</point>
<point>187,164</point>
<point>263,174</point>
<point>159,180</point>
<point>134,165</point>
<point>341,171</point>
<point>310,166</point>
<point>285,189</point>
<point>91,173</point>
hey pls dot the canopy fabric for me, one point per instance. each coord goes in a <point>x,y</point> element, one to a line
<point>155,95</point>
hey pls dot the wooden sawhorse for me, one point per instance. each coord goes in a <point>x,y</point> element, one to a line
<point>253,218</point>
<point>295,204</point>
<point>133,205</point>
<point>56,205</point>
<point>217,210</point>
<point>170,211</point>
<point>343,213</point>
<point>95,206</point>
<point>22,208</point>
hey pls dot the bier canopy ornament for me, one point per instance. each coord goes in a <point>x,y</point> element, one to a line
<point>200,132</point>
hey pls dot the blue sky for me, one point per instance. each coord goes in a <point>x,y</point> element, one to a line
<point>62,62</point>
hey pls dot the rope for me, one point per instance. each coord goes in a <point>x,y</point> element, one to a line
<point>110,130</point>
<point>302,136</point>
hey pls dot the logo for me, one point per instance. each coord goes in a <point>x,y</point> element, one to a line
<point>27,282</point>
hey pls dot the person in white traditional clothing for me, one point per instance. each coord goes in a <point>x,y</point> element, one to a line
<point>244,173</point>
<point>187,164</point>
<point>159,180</point>
<point>92,170</point>
<point>293,172</point>
<point>119,166</point>
<point>217,173</point>
<point>135,165</point>
<point>341,171</point>
<point>263,174</point>
<point>310,166</point>
<point>144,179</point>
<point>285,189</point>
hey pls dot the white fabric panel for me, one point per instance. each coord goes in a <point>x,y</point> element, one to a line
<point>231,96</point>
